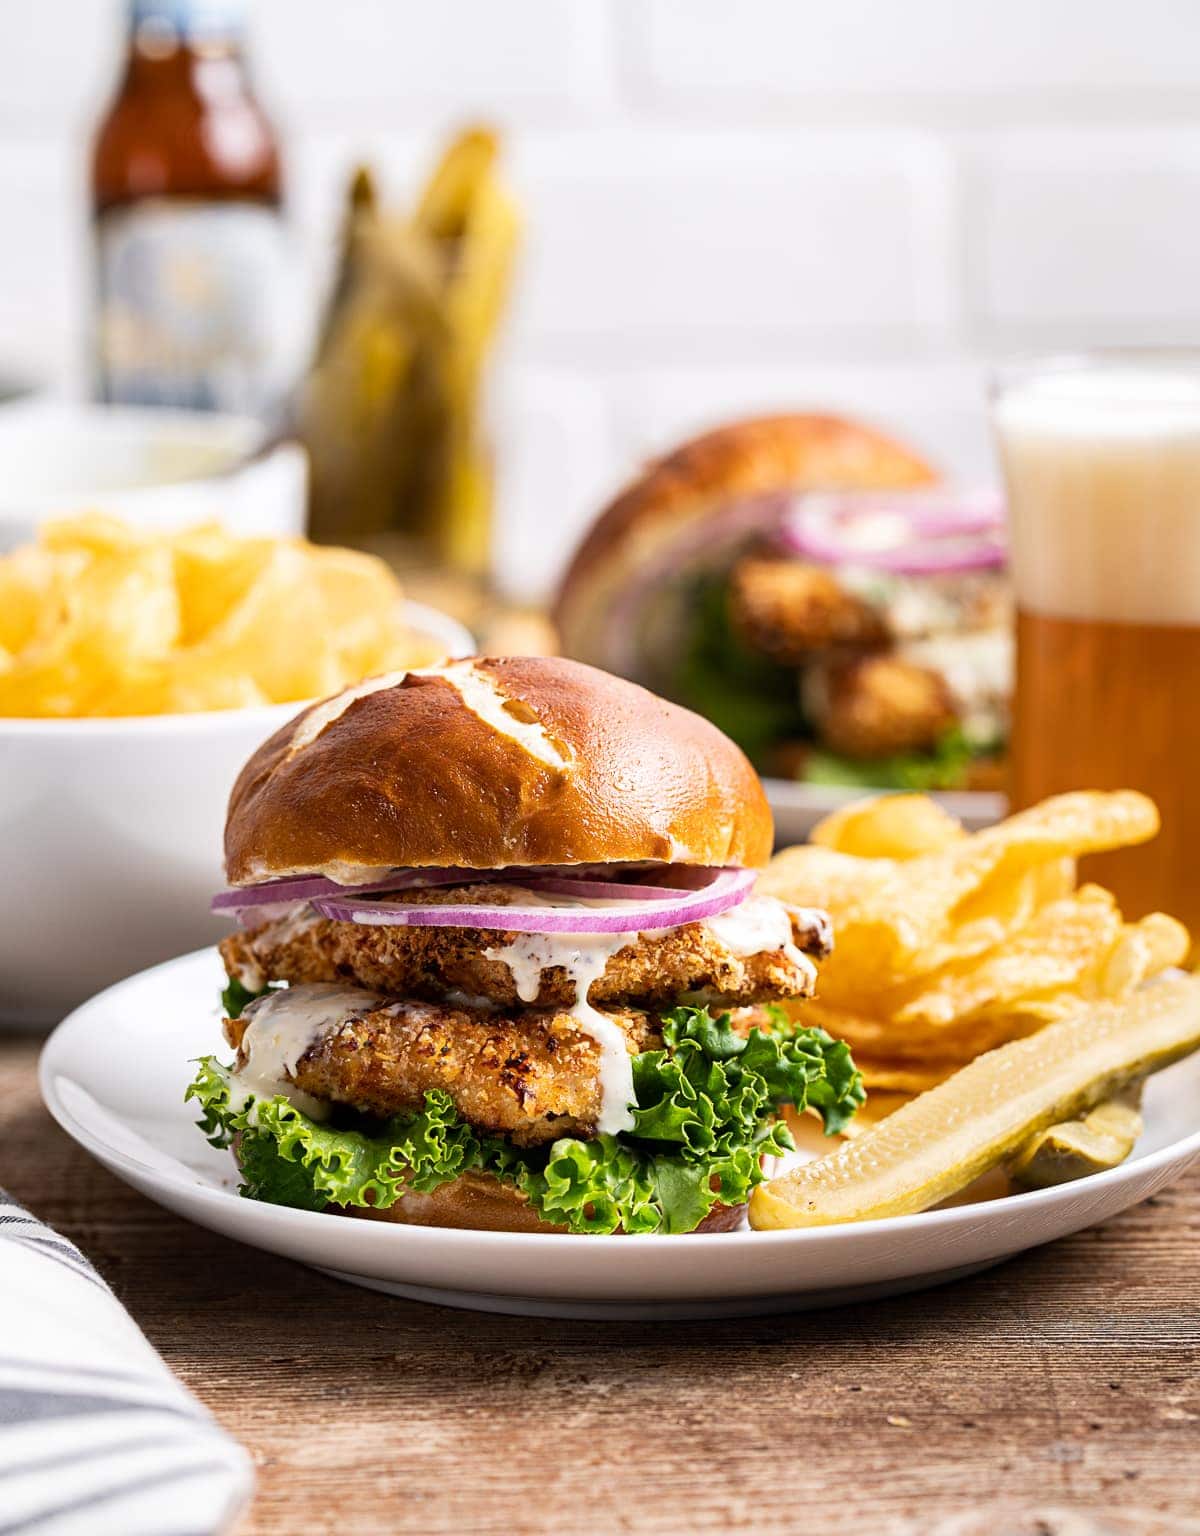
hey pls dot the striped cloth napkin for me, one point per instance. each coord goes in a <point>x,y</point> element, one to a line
<point>97,1438</point>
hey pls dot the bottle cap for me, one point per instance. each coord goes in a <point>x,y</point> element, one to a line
<point>195,20</point>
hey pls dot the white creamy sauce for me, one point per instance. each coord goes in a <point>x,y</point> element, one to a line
<point>251,975</point>
<point>584,957</point>
<point>283,1026</point>
<point>338,870</point>
<point>978,669</point>
<point>756,926</point>
<point>284,922</point>
<point>294,922</point>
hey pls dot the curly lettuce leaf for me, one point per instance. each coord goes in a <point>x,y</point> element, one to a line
<point>316,1164</point>
<point>705,1116</point>
<point>268,1175</point>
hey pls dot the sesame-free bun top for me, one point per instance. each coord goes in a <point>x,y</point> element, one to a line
<point>730,482</point>
<point>489,762</point>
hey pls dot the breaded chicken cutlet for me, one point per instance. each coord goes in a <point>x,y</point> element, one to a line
<point>654,969</point>
<point>530,1074</point>
<point>787,609</point>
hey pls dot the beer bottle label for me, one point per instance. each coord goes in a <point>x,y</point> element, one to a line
<point>193,306</point>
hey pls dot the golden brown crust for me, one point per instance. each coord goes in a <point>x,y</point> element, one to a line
<point>764,457</point>
<point>532,1074</point>
<point>875,706</point>
<point>787,609</point>
<point>652,970</point>
<point>595,769</point>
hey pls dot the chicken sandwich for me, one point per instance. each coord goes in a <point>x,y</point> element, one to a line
<point>499,963</point>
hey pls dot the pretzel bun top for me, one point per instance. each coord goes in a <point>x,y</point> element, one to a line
<point>490,762</point>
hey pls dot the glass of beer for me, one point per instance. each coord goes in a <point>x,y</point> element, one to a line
<point>1101,459</point>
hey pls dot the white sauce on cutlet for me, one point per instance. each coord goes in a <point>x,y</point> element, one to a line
<point>760,925</point>
<point>584,957</point>
<point>285,1025</point>
<point>277,922</point>
<point>250,974</point>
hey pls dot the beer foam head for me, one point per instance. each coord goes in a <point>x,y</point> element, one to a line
<point>1102,466</point>
<point>1102,402</point>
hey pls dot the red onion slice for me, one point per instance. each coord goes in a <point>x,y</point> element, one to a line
<point>726,889</point>
<point>910,534</point>
<point>308,887</point>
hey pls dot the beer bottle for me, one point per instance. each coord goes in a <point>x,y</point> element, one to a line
<point>192,267</point>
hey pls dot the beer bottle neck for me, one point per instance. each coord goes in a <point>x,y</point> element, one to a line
<point>157,27</point>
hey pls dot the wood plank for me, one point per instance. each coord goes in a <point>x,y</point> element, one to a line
<point>1066,1380</point>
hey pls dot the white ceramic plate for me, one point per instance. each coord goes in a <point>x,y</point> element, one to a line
<point>798,807</point>
<point>113,1076</point>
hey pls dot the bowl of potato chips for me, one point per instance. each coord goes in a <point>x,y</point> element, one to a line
<point>138,671</point>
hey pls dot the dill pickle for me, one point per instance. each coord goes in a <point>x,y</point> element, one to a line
<point>1102,1139</point>
<point>938,1143</point>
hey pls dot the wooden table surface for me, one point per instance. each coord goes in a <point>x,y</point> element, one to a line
<point>1057,1394</point>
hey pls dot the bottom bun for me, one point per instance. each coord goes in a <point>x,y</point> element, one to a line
<point>481,1203</point>
<point>476,1201</point>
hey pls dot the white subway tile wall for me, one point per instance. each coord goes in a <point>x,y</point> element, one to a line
<point>729,207</point>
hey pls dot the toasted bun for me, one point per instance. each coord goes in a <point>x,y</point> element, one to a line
<point>675,505</point>
<point>481,1203</point>
<point>489,762</point>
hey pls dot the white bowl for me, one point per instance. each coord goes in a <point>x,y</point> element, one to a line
<point>111,833</point>
<point>160,469</point>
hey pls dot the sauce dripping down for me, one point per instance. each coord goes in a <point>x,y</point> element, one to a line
<point>756,926</point>
<point>584,957</point>
<point>283,1026</point>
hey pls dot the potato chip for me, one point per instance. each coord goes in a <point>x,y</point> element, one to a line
<point>897,919</point>
<point>943,955</point>
<point>99,618</point>
<point>889,827</point>
<point>946,1138</point>
<point>882,1075</point>
<point>1059,947</point>
<point>1145,949</point>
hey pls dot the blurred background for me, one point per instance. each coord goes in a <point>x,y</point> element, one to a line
<point>853,206</point>
<point>435,282</point>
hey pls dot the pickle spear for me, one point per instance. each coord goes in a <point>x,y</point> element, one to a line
<point>1102,1139</point>
<point>937,1144</point>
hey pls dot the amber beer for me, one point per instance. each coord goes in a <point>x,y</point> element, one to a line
<point>1102,466</point>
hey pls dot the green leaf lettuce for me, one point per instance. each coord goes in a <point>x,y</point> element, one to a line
<point>705,1115</point>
